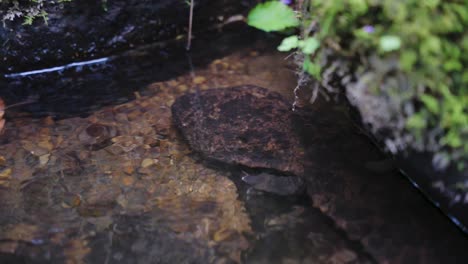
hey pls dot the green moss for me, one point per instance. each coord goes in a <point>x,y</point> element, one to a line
<point>409,59</point>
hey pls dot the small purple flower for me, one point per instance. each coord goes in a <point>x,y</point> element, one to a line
<point>286,2</point>
<point>368,28</point>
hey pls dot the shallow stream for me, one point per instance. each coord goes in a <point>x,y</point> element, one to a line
<point>93,170</point>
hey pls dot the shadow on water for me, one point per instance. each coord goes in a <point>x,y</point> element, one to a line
<point>287,228</point>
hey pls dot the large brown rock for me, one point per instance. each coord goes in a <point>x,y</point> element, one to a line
<point>245,125</point>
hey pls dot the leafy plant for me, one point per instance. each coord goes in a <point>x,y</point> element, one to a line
<point>28,10</point>
<point>408,60</point>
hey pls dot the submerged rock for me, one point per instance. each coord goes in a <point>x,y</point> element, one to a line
<point>276,184</point>
<point>245,125</point>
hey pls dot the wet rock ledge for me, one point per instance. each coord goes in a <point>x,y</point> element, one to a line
<point>84,30</point>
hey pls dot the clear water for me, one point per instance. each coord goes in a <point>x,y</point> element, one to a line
<point>93,170</point>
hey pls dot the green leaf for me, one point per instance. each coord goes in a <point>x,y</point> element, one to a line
<point>362,34</point>
<point>310,45</point>
<point>289,43</point>
<point>431,45</point>
<point>358,6</point>
<point>272,16</point>
<point>28,20</point>
<point>312,68</point>
<point>452,139</point>
<point>465,77</point>
<point>430,3</point>
<point>453,65</point>
<point>416,121</point>
<point>431,103</point>
<point>407,59</point>
<point>389,43</point>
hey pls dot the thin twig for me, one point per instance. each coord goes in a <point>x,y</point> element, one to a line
<point>28,101</point>
<point>189,37</point>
